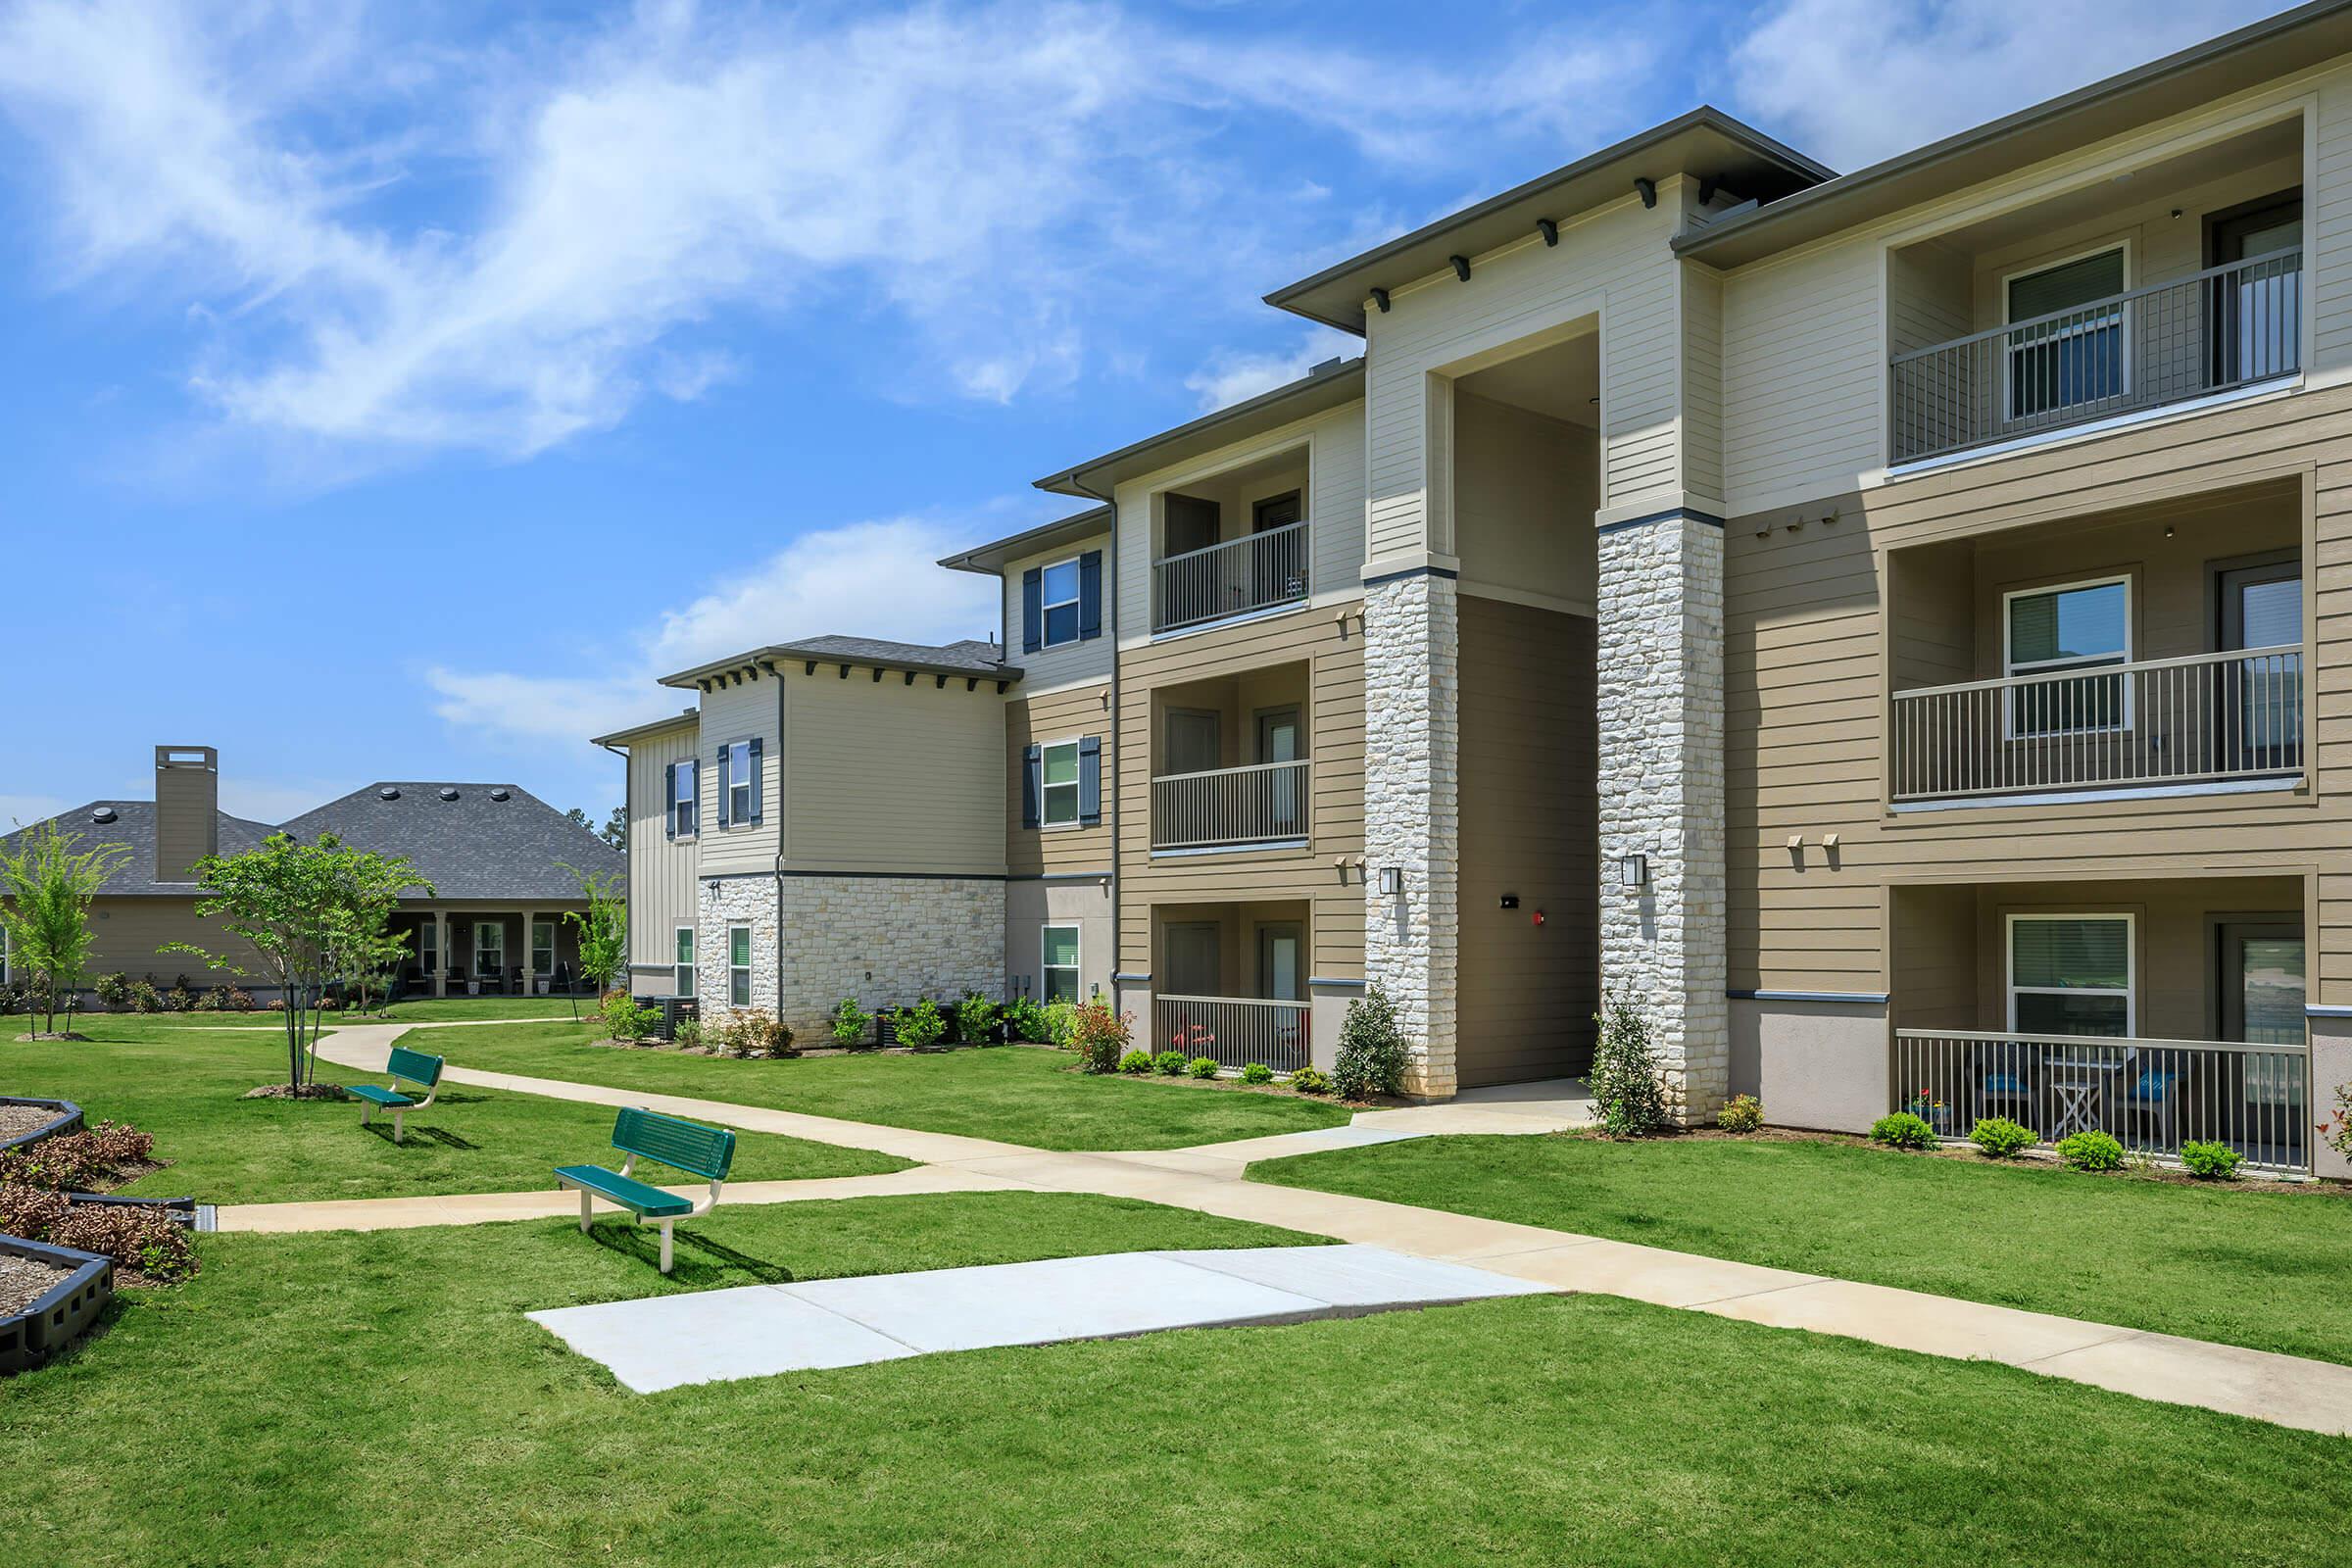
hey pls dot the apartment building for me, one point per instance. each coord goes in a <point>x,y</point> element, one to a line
<point>1885,625</point>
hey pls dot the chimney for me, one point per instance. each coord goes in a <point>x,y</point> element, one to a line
<point>187,810</point>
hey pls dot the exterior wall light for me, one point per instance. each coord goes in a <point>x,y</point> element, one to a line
<point>1391,881</point>
<point>1633,870</point>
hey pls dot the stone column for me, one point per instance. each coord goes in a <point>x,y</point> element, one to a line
<point>1412,813</point>
<point>440,976</point>
<point>1662,793</point>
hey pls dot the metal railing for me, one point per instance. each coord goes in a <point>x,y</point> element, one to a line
<point>2227,326</point>
<point>1265,803</point>
<point>1255,571</point>
<point>2152,1096</point>
<point>1235,1031</point>
<point>2199,719</point>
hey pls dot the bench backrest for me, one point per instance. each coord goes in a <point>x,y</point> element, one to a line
<point>688,1145</point>
<point>416,1066</point>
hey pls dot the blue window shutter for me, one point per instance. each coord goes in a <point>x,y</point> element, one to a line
<point>1090,595</point>
<point>1033,610</point>
<point>758,805</point>
<point>723,791</point>
<point>670,801</point>
<point>1090,779</point>
<point>1032,766</point>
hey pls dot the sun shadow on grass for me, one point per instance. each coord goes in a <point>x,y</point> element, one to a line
<point>696,1259</point>
<point>414,1135</point>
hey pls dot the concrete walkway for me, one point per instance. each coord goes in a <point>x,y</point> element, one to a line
<point>2290,1390</point>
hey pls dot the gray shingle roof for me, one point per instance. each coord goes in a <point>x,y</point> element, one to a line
<point>473,847</point>
<point>977,654</point>
<point>133,826</point>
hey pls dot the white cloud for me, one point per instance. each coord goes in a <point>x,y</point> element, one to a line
<point>869,579</point>
<point>1232,376</point>
<point>1852,81</point>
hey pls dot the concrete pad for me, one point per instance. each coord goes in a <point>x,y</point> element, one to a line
<point>665,1341</point>
<point>1594,1266</point>
<point>1359,1277</point>
<point>2285,1389</point>
<point>1913,1320</point>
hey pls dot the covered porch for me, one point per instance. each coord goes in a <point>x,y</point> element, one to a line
<point>2160,1012</point>
<point>1233,983</point>
<point>459,950</point>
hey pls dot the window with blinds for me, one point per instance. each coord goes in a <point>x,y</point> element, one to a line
<point>2069,974</point>
<point>2068,349</point>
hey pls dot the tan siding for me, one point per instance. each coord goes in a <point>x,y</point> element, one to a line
<point>128,931</point>
<point>1046,720</point>
<point>661,870</point>
<point>1529,818</point>
<point>740,714</point>
<point>1524,490</point>
<point>892,776</point>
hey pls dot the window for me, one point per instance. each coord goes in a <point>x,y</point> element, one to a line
<point>685,798</point>
<point>8,954</point>
<point>1060,601</point>
<point>1058,785</point>
<point>428,945</point>
<point>681,976</point>
<point>2069,974</point>
<point>543,947</point>
<point>2070,350</point>
<point>2085,625</point>
<point>1058,962</point>
<point>489,949</point>
<point>739,965</point>
<point>738,771</point>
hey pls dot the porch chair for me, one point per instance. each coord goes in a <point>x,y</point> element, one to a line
<point>2153,1093</point>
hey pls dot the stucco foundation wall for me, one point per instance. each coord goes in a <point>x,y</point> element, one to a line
<point>2331,1066</point>
<point>1815,1064</point>
<point>1031,906</point>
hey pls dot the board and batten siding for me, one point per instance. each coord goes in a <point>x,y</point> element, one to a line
<point>892,774</point>
<point>1064,716</point>
<point>1807,668</point>
<point>1089,658</point>
<point>1329,640</point>
<point>741,712</point>
<point>661,869</point>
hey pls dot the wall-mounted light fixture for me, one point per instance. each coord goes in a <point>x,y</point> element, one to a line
<point>1392,880</point>
<point>1633,871</point>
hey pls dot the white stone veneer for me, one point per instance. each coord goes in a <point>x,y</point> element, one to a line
<point>1412,812</point>
<point>1661,793</point>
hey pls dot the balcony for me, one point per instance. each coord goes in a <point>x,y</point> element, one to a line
<point>1263,570</point>
<point>2201,719</point>
<point>2220,330</point>
<point>1231,807</point>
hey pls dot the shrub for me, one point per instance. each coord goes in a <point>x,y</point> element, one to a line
<point>751,1032</point>
<point>975,1019</point>
<point>29,1211</point>
<point>1201,1066</point>
<point>1170,1063</point>
<point>1628,1091</point>
<point>140,1235</point>
<point>2211,1162</point>
<point>114,990</point>
<point>77,1161</point>
<point>1136,1063</point>
<point>1310,1081</point>
<point>239,1000</point>
<point>180,999</point>
<point>850,1022</point>
<point>1902,1130</point>
<point>1062,1024</point>
<point>1371,1056</point>
<point>1026,1016</point>
<point>690,1034</point>
<point>1743,1114</point>
<point>2001,1137</point>
<point>2092,1151</point>
<point>1257,1072</point>
<point>922,1026</point>
<point>624,1019</point>
<point>1099,1036</point>
<point>144,998</point>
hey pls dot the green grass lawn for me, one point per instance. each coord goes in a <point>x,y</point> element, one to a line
<point>1015,1094</point>
<point>343,1398</point>
<point>452,1010</point>
<point>185,1085</point>
<point>2244,1266</point>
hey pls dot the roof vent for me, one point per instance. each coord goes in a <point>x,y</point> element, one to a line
<point>103,814</point>
<point>448,793</point>
<point>387,793</point>
<point>498,794</point>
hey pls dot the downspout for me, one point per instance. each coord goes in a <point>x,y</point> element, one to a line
<point>1118,747</point>
<point>779,859</point>
<point>628,936</point>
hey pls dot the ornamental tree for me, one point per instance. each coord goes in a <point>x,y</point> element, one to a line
<point>602,927</point>
<point>46,885</point>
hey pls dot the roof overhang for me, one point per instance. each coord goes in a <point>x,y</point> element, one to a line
<point>989,559</point>
<point>1327,386</point>
<point>638,732</point>
<point>737,668</point>
<point>1705,144</point>
<point>2275,47</point>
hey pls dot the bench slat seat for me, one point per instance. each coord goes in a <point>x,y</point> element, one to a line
<point>688,1145</point>
<point>403,1067</point>
<point>386,1097</point>
<point>626,1191</point>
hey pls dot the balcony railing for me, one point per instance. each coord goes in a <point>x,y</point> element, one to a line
<point>1262,804</point>
<point>1257,571</point>
<point>2225,327</point>
<point>1235,1031</point>
<point>2152,1096</point>
<point>2200,719</point>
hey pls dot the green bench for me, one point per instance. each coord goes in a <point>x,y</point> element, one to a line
<point>689,1146</point>
<point>406,1066</point>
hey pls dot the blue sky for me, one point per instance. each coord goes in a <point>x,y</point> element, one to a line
<point>392,391</point>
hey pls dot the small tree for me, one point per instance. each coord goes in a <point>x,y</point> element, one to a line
<point>603,928</point>
<point>1628,1090</point>
<point>1371,1054</point>
<point>46,885</point>
<point>615,830</point>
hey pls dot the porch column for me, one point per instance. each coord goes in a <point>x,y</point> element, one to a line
<point>530,965</point>
<point>1663,943</point>
<point>440,975</point>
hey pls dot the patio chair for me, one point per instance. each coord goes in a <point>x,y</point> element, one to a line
<point>2154,1094</point>
<point>2006,1085</point>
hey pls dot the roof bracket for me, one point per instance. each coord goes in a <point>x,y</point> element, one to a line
<point>939,683</point>
<point>808,667</point>
<point>1549,230</point>
<point>1001,686</point>
<point>1379,297</point>
<point>877,674</point>
<point>971,683</point>
<point>910,678</point>
<point>1649,189</point>
<point>1708,185</point>
<point>843,672</point>
<point>1461,266</point>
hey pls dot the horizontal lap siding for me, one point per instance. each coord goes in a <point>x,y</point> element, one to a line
<point>740,713</point>
<point>1047,720</point>
<point>1086,660</point>
<point>1330,641</point>
<point>661,870</point>
<point>891,776</point>
<point>1806,692</point>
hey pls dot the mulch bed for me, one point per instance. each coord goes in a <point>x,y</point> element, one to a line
<point>18,1121</point>
<point>290,1092</point>
<point>62,1034</point>
<point>25,1280</point>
